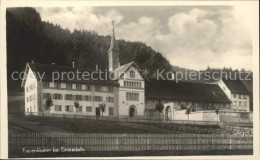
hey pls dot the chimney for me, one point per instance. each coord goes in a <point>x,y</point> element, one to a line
<point>32,61</point>
<point>53,63</point>
<point>73,64</point>
<point>96,67</point>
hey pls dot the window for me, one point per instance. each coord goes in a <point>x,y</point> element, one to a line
<point>30,98</point>
<point>57,85</point>
<point>132,96</point>
<point>46,95</point>
<point>239,95</point>
<point>97,98</point>
<point>239,103</point>
<point>234,95</point>
<point>46,84</point>
<point>27,99</point>
<point>69,108</point>
<point>132,74</point>
<point>26,89</point>
<point>57,96</point>
<point>133,84</point>
<point>57,108</point>
<point>79,86</point>
<point>97,88</point>
<point>31,87</point>
<point>88,87</point>
<point>88,109</point>
<point>111,111</point>
<point>110,99</point>
<point>87,98</point>
<point>79,109</point>
<point>245,103</point>
<point>235,103</point>
<point>244,96</point>
<point>110,88</point>
<point>33,96</point>
<point>79,97</point>
<point>69,97</point>
<point>69,85</point>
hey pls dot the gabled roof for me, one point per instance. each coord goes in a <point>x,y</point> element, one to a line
<point>122,69</point>
<point>236,86</point>
<point>184,91</point>
<point>48,70</point>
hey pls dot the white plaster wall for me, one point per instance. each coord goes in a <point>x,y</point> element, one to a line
<point>82,103</point>
<point>30,80</point>
<point>122,102</point>
<point>195,116</point>
<point>180,115</point>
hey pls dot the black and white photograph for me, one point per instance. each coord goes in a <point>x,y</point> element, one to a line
<point>143,80</point>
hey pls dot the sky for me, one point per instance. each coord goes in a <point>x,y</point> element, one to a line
<point>192,37</point>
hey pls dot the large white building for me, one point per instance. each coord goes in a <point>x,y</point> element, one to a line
<point>126,94</point>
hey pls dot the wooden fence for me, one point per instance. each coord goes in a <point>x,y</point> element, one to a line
<point>127,142</point>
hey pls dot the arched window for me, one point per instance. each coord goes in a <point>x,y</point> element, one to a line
<point>132,74</point>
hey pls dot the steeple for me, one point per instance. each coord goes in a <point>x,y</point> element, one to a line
<point>113,45</point>
<point>113,52</point>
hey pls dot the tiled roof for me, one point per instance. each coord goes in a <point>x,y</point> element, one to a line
<point>184,91</point>
<point>49,69</point>
<point>236,86</point>
<point>122,68</point>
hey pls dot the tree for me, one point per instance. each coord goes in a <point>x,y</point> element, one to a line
<point>76,104</point>
<point>48,103</point>
<point>159,108</point>
<point>217,112</point>
<point>188,111</point>
<point>102,107</point>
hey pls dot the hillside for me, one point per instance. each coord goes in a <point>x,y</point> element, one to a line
<point>29,38</point>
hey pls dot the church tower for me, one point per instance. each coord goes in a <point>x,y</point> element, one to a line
<point>113,52</point>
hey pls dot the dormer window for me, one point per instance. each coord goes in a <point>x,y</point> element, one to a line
<point>132,74</point>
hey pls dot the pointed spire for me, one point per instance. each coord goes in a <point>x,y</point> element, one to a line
<point>113,45</point>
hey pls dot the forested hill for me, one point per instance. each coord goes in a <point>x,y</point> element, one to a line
<point>29,38</point>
